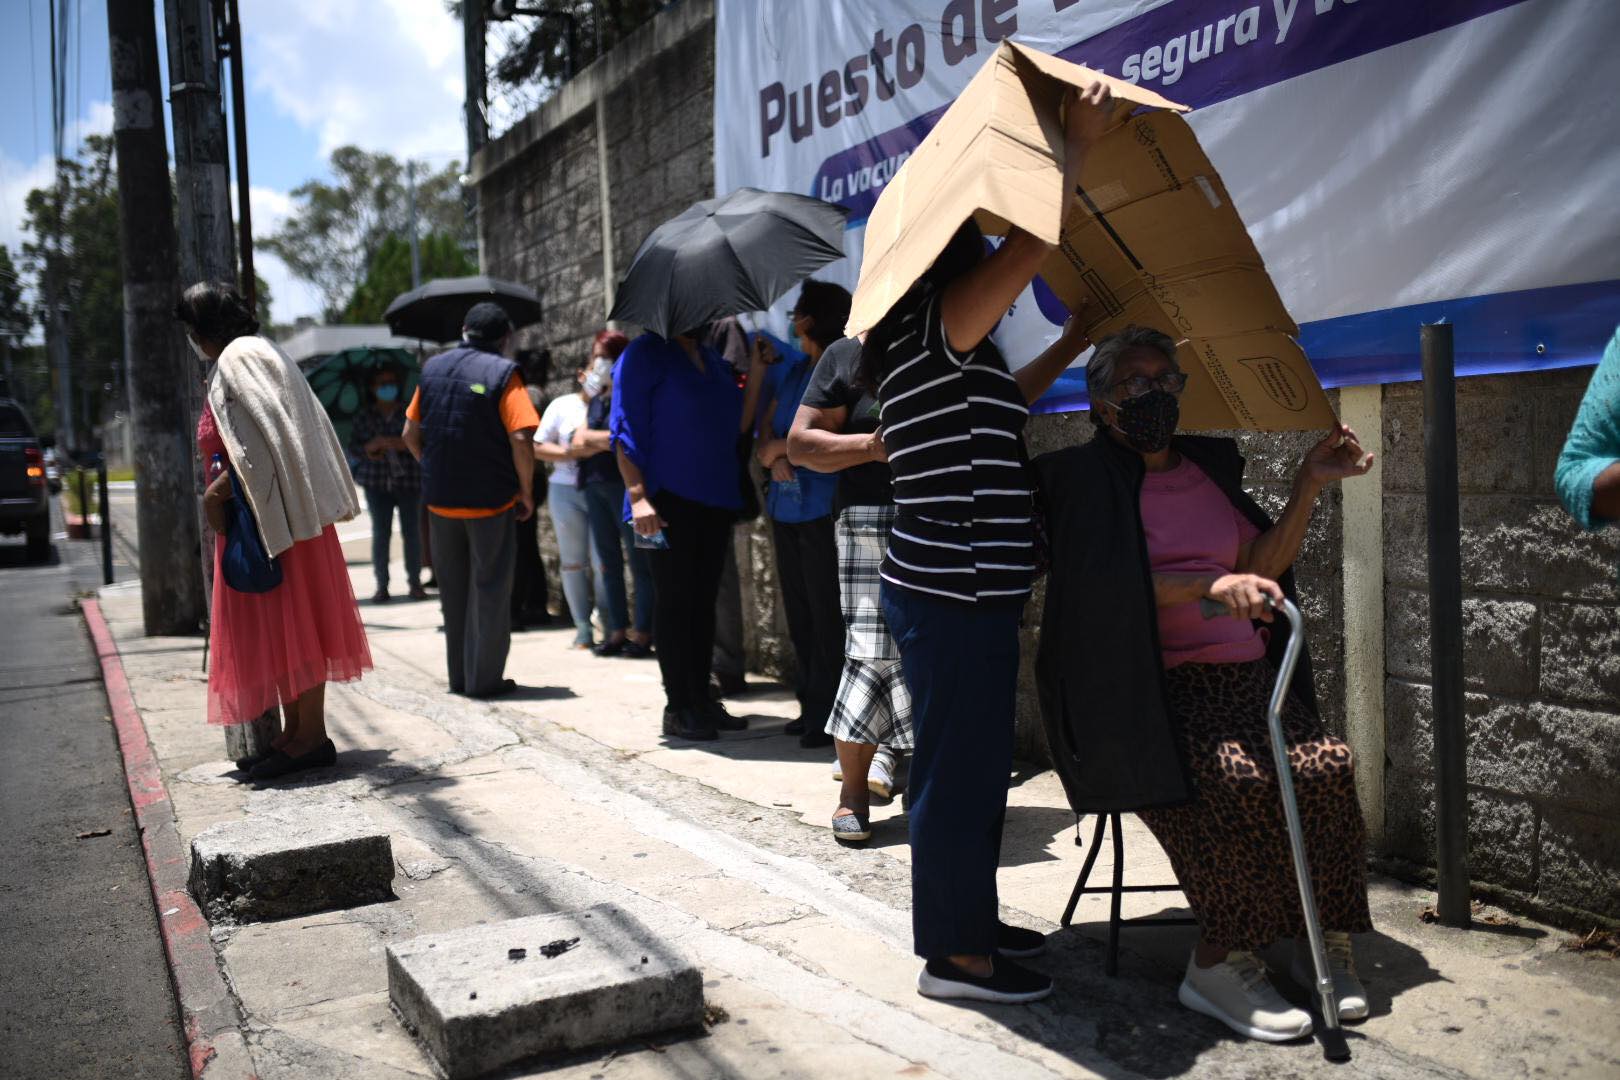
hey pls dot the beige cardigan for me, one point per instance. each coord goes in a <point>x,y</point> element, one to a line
<point>281,443</point>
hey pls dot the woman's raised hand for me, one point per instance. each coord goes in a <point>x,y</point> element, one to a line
<point>1087,113</point>
<point>1338,456</point>
<point>1245,595</point>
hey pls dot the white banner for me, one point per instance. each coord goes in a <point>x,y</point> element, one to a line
<point>1397,161</point>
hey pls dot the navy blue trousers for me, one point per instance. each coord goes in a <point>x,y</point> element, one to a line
<point>960,661</point>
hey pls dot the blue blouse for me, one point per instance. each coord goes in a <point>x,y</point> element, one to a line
<point>1594,440</point>
<point>678,424</point>
<point>786,384</point>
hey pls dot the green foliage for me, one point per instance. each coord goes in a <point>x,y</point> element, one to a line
<point>543,55</point>
<point>86,272</point>
<point>261,301</point>
<point>390,273</point>
<point>337,229</point>
<point>15,318</point>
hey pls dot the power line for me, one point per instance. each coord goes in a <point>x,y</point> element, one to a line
<point>33,74</point>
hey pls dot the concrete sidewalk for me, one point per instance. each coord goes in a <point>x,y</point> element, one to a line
<point>564,795</point>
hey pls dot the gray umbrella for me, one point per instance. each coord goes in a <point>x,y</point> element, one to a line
<point>434,311</point>
<point>723,256</point>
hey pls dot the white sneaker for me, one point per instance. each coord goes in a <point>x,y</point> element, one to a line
<point>880,777</point>
<point>1347,988</point>
<point>1239,994</point>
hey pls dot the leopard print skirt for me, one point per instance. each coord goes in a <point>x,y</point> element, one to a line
<point>1229,845</point>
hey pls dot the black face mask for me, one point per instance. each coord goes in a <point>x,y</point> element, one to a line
<point>1148,422</point>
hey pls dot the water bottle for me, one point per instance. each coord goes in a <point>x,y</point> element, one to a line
<point>656,542</point>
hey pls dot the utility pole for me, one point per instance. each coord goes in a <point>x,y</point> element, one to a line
<point>232,30</point>
<point>56,336</point>
<point>410,193</point>
<point>172,592</point>
<point>473,30</point>
<point>207,253</point>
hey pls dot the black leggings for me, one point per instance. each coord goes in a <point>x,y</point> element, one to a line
<point>686,580</point>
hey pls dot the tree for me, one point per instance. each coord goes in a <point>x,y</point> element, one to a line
<point>337,229</point>
<point>86,271</point>
<point>390,273</point>
<point>261,301</point>
<point>542,55</point>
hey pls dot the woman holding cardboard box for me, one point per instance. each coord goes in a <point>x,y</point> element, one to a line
<point>957,573</point>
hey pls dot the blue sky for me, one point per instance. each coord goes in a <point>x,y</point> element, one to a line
<point>380,74</point>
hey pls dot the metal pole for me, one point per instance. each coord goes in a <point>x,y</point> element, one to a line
<point>473,29</point>
<point>1445,624</point>
<point>410,197</point>
<point>156,360</point>
<point>244,211</point>
<point>106,523</point>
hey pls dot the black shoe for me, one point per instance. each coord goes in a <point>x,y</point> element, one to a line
<point>1018,943</point>
<point>609,648</point>
<point>280,763</point>
<point>688,724</point>
<point>716,714</point>
<point>815,738</point>
<point>1009,983</point>
<point>500,689</point>
<point>245,764</point>
<point>794,727</point>
<point>636,650</point>
<point>724,686</point>
<point>380,597</point>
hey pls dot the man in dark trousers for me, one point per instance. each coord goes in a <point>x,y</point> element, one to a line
<point>471,425</point>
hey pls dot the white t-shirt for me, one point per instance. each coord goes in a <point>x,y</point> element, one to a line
<point>557,425</point>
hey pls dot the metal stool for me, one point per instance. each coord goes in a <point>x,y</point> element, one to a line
<point>1116,890</point>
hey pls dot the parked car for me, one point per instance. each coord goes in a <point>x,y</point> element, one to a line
<point>25,505</point>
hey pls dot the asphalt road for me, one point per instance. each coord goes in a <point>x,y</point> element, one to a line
<point>84,988</point>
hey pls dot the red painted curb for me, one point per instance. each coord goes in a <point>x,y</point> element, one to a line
<point>208,1012</point>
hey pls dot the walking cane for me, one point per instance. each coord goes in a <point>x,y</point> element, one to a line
<point>1334,1047</point>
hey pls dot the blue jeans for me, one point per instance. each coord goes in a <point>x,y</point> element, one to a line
<point>382,502</point>
<point>960,662</point>
<point>568,517</point>
<point>611,538</point>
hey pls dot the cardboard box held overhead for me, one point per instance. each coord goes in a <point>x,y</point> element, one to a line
<point>1153,238</point>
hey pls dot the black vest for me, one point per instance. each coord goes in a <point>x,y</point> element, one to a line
<point>466,451</point>
<point>1098,670</point>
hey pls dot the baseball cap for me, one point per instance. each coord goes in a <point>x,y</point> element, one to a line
<point>486,322</point>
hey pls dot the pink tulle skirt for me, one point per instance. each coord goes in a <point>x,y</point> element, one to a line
<point>267,648</point>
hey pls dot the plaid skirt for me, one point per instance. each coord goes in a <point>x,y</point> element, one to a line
<point>873,705</point>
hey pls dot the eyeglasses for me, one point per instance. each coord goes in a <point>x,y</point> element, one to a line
<point>1171,382</point>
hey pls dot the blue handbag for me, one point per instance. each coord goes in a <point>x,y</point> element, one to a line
<point>247,566</point>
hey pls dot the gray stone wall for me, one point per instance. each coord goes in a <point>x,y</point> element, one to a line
<point>1541,613</point>
<point>540,218</point>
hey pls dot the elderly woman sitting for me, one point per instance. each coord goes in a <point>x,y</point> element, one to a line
<point>1151,708</point>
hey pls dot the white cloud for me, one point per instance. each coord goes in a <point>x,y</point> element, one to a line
<point>18,178</point>
<point>382,77</point>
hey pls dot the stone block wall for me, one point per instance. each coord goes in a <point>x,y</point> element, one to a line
<point>540,189</point>
<point>1541,621</point>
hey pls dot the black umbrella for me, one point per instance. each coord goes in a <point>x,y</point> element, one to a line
<point>727,255</point>
<point>434,312</point>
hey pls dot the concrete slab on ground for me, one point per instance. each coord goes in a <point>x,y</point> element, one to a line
<point>489,996</point>
<point>289,861</point>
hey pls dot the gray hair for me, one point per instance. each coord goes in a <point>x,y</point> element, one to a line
<point>1100,369</point>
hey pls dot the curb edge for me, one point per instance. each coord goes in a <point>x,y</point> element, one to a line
<point>214,1043</point>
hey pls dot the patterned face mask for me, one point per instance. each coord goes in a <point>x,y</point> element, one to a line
<point>1148,420</point>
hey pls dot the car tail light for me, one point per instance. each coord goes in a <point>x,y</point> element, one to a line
<point>36,466</point>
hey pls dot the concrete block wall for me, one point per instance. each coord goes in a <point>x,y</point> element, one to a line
<point>540,189</point>
<point>1541,614</point>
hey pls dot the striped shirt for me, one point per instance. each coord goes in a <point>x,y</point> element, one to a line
<point>952,424</point>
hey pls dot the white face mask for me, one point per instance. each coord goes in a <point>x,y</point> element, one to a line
<point>593,383</point>
<point>603,367</point>
<point>202,357</point>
